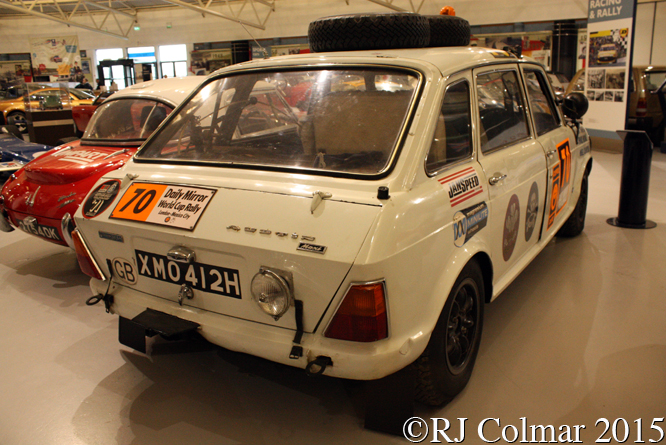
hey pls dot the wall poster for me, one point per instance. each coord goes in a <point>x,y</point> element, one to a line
<point>56,57</point>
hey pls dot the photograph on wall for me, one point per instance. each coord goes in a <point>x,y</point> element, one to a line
<point>608,96</point>
<point>204,62</point>
<point>615,79</point>
<point>591,94</point>
<point>14,72</point>
<point>609,48</point>
<point>284,50</point>
<point>619,96</point>
<point>596,79</point>
<point>599,96</point>
<point>57,58</point>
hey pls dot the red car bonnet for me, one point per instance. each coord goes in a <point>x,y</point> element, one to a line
<point>73,164</point>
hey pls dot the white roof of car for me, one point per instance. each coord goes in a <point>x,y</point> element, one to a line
<point>447,60</point>
<point>171,90</point>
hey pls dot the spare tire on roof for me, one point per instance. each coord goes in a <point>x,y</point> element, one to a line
<point>352,32</point>
<point>448,30</point>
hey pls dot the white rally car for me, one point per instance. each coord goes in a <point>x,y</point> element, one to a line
<point>354,235</point>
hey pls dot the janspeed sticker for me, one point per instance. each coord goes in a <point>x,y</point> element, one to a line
<point>511,224</point>
<point>532,211</point>
<point>81,157</point>
<point>468,222</point>
<point>101,198</point>
<point>462,185</point>
<point>124,270</point>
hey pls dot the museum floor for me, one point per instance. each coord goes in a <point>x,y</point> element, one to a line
<point>580,335</point>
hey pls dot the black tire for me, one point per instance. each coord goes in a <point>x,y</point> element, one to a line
<point>448,30</point>
<point>445,366</point>
<point>355,32</point>
<point>11,129</point>
<point>576,222</point>
<point>66,140</point>
<point>18,119</point>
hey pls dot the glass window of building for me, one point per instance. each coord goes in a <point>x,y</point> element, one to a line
<point>173,60</point>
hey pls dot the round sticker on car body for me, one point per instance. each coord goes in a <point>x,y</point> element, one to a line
<point>511,224</point>
<point>124,270</point>
<point>100,199</point>
<point>531,211</point>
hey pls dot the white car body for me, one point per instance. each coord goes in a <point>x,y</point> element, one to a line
<point>411,241</point>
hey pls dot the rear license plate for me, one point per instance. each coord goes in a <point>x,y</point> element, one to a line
<point>203,277</point>
<point>30,225</point>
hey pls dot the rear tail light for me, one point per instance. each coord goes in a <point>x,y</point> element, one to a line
<point>362,315</point>
<point>86,261</point>
<point>641,107</point>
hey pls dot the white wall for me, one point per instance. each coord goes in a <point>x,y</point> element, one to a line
<point>291,18</point>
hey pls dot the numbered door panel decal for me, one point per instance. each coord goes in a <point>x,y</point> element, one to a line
<point>561,179</point>
<point>168,205</point>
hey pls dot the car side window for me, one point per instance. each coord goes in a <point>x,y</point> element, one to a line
<point>542,106</point>
<point>501,109</point>
<point>453,134</point>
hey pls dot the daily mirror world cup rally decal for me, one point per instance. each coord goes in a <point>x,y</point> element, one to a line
<point>462,185</point>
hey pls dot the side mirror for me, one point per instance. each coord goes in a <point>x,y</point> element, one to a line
<point>575,105</point>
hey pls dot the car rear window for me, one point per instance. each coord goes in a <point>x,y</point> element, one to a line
<point>330,120</point>
<point>125,120</point>
<point>654,79</point>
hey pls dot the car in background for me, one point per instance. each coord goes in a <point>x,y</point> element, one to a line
<point>41,197</point>
<point>360,239</point>
<point>645,112</point>
<point>607,53</point>
<point>15,152</point>
<point>13,110</point>
<point>83,112</point>
<point>559,82</point>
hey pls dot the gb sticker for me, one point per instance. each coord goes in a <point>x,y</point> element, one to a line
<point>124,270</point>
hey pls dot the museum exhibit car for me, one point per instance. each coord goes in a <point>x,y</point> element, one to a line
<point>43,195</point>
<point>360,238</point>
<point>13,110</point>
<point>16,152</point>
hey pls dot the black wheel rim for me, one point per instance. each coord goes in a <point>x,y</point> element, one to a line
<point>462,326</point>
<point>21,123</point>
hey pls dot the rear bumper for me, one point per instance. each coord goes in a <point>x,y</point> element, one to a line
<point>351,360</point>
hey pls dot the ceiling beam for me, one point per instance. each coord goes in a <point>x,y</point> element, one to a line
<point>67,21</point>
<point>234,18</point>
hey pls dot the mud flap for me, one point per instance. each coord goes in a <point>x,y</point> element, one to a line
<point>132,333</point>
<point>390,402</point>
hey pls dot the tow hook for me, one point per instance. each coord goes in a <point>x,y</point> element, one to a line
<point>318,365</point>
<point>108,301</point>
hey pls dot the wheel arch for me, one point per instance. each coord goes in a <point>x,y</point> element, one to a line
<point>486,265</point>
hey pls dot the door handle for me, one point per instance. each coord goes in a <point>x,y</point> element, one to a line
<point>551,153</point>
<point>495,179</point>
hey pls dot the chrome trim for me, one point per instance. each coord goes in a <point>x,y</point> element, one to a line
<point>90,255</point>
<point>495,179</point>
<point>234,228</point>
<point>115,153</point>
<point>30,200</point>
<point>182,254</point>
<point>362,283</point>
<point>67,227</point>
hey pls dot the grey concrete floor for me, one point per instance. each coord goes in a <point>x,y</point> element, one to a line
<point>579,336</point>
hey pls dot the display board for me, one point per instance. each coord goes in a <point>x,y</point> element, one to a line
<point>609,44</point>
<point>57,57</point>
